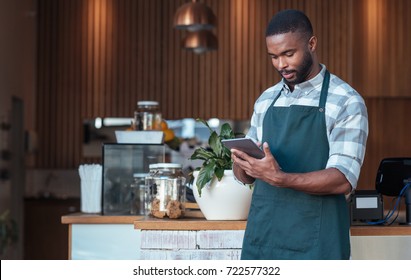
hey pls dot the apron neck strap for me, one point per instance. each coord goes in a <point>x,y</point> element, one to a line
<point>324,89</point>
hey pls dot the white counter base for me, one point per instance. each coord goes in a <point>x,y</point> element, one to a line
<point>191,245</point>
<point>105,242</point>
<point>391,247</point>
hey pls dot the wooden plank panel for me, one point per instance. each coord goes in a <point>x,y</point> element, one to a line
<point>385,139</point>
<point>159,33</point>
<point>60,76</point>
<point>224,52</point>
<point>175,95</point>
<point>51,121</point>
<point>168,240</point>
<point>42,76</point>
<point>250,39</point>
<point>90,60</point>
<point>109,106</point>
<point>199,254</point>
<point>77,88</point>
<point>69,85</point>
<point>244,62</point>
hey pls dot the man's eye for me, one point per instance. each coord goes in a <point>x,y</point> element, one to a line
<point>290,54</point>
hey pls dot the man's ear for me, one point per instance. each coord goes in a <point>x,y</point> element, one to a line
<point>312,43</point>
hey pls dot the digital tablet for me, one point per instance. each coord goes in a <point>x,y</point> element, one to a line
<point>245,145</point>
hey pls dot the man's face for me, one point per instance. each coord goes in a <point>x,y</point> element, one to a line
<point>291,54</point>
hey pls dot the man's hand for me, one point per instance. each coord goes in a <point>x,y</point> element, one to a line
<point>266,169</point>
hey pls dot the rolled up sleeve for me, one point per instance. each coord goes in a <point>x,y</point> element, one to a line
<point>348,140</point>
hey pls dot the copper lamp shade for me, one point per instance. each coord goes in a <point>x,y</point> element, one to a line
<point>200,41</point>
<point>194,16</point>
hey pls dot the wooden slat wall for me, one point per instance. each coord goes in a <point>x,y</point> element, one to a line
<point>390,134</point>
<point>97,58</point>
<point>381,68</point>
<point>382,64</point>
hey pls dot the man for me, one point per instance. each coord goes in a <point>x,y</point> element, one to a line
<point>314,129</point>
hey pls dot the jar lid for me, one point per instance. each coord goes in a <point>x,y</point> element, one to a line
<point>139,175</point>
<point>147,103</point>
<point>169,165</point>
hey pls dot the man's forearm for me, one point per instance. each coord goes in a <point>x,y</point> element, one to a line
<point>322,182</point>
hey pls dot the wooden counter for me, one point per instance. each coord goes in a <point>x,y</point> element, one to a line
<point>202,224</point>
<point>187,224</point>
<point>381,230</point>
<point>190,238</point>
<point>93,236</point>
<point>82,218</point>
<point>381,242</point>
<point>98,237</point>
<point>146,223</point>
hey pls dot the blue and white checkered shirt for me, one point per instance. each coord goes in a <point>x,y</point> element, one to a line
<point>345,116</point>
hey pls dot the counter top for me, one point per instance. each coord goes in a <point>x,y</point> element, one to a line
<point>187,224</point>
<point>380,230</point>
<point>194,223</point>
<point>82,218</point>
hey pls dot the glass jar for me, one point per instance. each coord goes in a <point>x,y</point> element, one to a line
<point>147,116</point>
<point>166,192</point>
<point>138,190</point>
<point>149,186</point>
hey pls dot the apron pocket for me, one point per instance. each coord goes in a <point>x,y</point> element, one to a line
<point>288,224</point>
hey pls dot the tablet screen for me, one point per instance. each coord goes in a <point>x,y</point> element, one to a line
<point>245,145</point>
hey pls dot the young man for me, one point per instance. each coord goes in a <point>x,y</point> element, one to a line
<point>314,129</point>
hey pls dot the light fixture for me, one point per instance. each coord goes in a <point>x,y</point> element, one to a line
<point>194,16</point>
<point>200,41</point>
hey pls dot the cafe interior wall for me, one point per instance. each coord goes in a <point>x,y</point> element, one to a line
<point>80,59</point>
<point>98,58</point>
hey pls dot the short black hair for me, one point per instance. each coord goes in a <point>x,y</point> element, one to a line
<point>289,21</point>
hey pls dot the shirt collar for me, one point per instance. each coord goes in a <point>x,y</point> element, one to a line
<point>307,86</point>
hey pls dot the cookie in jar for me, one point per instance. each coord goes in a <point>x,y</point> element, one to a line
<point>166,192</point>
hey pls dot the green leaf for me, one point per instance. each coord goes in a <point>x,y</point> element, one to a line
<point>204,176</point>
<point>219,172</point>
<point>224,163</point>
<point>202,153</point>
<point>215,144</point>
<point>226,131</point>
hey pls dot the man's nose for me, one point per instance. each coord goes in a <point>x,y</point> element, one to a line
<point>282,63</point>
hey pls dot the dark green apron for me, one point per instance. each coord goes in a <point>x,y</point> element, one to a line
<point>288,224</point>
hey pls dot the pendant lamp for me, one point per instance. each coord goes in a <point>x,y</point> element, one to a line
<point>200,41</point>
<point>194,16</point>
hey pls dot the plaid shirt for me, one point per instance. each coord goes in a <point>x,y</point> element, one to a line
<point>345,116</point>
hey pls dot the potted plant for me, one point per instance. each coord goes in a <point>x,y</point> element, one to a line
<point>218,194</point>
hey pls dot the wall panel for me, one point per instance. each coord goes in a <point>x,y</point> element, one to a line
<point>389,135</point>
<point>381,63</point>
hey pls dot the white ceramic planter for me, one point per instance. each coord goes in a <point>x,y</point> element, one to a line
<point>224,200</point>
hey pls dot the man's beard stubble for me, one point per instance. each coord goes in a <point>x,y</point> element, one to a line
<point>302,71</point>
